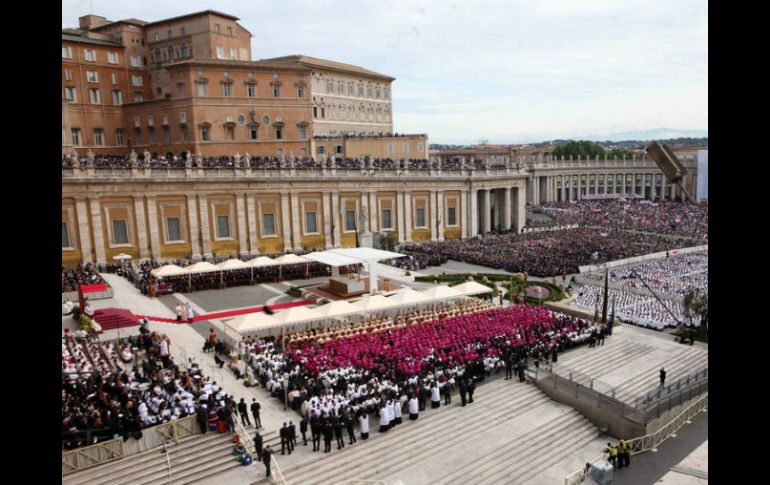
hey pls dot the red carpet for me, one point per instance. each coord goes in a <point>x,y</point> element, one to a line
<point>110,318</point>
<point>228,313</point>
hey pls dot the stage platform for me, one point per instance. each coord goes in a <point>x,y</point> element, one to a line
<point>322,291</point>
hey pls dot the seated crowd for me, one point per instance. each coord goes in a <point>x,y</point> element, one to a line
<point>102,397</point>
<point>71,278</point>
<point>539,253</point>
<point>641,310</point>
<point>675,275</point>
<point>663,217</point>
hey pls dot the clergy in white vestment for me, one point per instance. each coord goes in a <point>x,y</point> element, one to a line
<point>414,408</point>
<point>363,422</point>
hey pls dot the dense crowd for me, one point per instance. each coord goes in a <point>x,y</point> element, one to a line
<point>675,275</point>
<point>663,217</point>
<point>109,390</point>
<point>71,278</point>
<point>540,253</point>
<point>642,310</point>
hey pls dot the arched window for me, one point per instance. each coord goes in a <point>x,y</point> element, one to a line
<point>157,55</point>
<point>170,53</point>
<point>184,50</point>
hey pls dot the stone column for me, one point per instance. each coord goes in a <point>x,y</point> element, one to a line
<point>485,222</point>
<point>521,208</point>
<point>96,219</point>
<point>408,216</point>
<point>152,217</point>
<point>474,210</point>
<point>373,219</point>
<point>141,229</point>
<point>254,222</point>
<point>536,191</point>
<point>507,208</point>
<point>240,207</point>
<point>192,218</point>
<point>335,209</point>
<point>84,231</point>
<point>433,215</point>
<point>295,226</point>
<point>464,214</point>
<point>624,184</point>
<point>399,212</point>
<point>441,214</point>
<point>203,210</point>
<point>327,220</point>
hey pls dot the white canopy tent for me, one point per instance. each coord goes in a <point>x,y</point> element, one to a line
<point>252,323</point>
<point>337,308</point>
<point>472,288</point>
<point>232,264</point>
<point>297,314</point>
<point>347,256</point>
<point>261,262</point>
<point>290,258</point>
<point>376,302</point>
<point>441,292</point>
<point>408,296</point>
<point>168,270</point>
<point>201,267</point>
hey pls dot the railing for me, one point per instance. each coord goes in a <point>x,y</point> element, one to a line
<point>176,430</point>
<point>82,458</point>
<point>278,473</point>
<point>650,442</point>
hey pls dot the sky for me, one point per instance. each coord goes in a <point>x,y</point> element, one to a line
<point>506,71</point>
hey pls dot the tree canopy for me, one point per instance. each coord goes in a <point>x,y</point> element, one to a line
<point>585,148</point>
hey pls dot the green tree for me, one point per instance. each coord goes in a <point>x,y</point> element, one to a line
<point>582,148</point>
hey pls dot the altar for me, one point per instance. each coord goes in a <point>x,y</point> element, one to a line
<point>346,286</point>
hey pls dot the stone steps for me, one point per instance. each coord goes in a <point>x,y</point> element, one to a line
<point>415,433</point>
<point>602,362</point>
<point>678,366</point>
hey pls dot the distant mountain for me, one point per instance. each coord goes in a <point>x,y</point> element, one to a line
<point>645,135</point>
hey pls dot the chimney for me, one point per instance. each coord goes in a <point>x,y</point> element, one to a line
<point>91,21</point>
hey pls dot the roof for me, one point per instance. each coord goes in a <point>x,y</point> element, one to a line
<point>199,61</point>
<point>196,14</point>
<point>86,40</point>
<point>131,21</point>
<point>347,256</point>
<point>324,64</point>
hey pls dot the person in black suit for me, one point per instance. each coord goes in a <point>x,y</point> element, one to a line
<point>350,425</point>
<point>258,445</point>
<point>328,433</point>
<point>292,435</point>
<point>463,391</point>
<point>303,430</point>
<point>284,434</point>
<point>255,412</point>
<point>471,388</point>
<point>266,456</point>
<point>315,429</point>
<point>242,410</point>
<point>337,424</point>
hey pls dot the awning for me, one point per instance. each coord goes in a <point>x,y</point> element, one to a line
<point>337,308</point>
<point>201,267</point>
<point>168,270</point>
<point>408,296</point>
<point>472,288</point>
<point>348,256</point>
<point>287,259</point>
<point>261,261</point>
<point>252,323</point>
<point>297,314</point>
<point>377,302</point>
<point>232,264</point>
<point>441,293</point>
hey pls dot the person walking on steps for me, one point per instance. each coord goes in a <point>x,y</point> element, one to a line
<point>351,427</point>
<point>255,412</point>
<point>315,430</point>
<point>328,434</point>
<point>662,377</point>
<point>258,445</point>
<point>303,430</point>
<point>284,434</point>
<point>463,391</point>
<point>471,388</point>
<point>337,424</point>
<point>242,410</point>
<point>267,455</point>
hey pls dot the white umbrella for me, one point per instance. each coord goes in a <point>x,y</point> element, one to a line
<point>472,288</point>
<point>441,292</point>
<point>168,270</point>
<point>232,264</point>
<point>377,302</point>
<point>122,257</point>
<point>201,267</point>
<point>409,297</point>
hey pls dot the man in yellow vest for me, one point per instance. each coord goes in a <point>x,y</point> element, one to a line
<point>624,454</point>
<point>613,452</point>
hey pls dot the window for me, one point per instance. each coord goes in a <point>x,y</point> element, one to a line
<point>136,61</point>
<point>157,36</point>
<point>138,135</point>
<point>405,147</point>
<point>119,136</point>
<point>185,133</point>
<point>315,111</point>
<point>266,120</point>
<point>386,93</point>
<point>95,96</point>
<point>227,89</point>
<point>223,226</point>
<point>183,50</point>
<point>387,222</point>
<point>156,56</point>
<point>369,93</point>
<point>138,97</point>
<point>65,236</point>
<point>166,135</point>
<point>117,98</point>
<point>182,31</point>
<point>229,132</point>
<point>302,132</point>
<point>180,89</point>
<point>70,94</point>
<point>301,92</point>
<point>390,148</point>
<point>205,133</point>
<point>202,89</point>
<point>311,224</point>
<point>330,87</point>
<point>341,88</point>
<point>268,224</point>
<point>251,90</point>
<point>114,78</point>
<point>216,28</point>
<point>92,77</point>
<point>451,218</point>
<point>136,81</point>
<point>230,31</point>
<point>75,136</point>
<point>170,52</point>
<point>119,232</point>
<point>350,220</point>
<point>172,228</point>
<point>233,53</point>
<point>323,112</point>
<point>351,90</point>
<point>66,52</point>
<point>253,132</point>
<point>68,74</point>
<point>278,133</point>
<point>112,57</point>
<point>220,52</point>
<point>338,149</point>
<point>420,147</point>
<point>90,55</point>
<point>419,217</point>
<point>321,150</point>
<point>276,90</point>
<point>170,33</point>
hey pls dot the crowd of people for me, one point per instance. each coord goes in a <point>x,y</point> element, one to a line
<point>641,310</point>
<point>540,253</point>
<point>78,275</point>
<point>675,275</point>
<point>663,217</point>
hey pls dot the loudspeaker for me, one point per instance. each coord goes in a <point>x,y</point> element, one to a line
<point>671,167</point>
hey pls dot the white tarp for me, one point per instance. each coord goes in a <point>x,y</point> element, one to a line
<point>253,322</point>
<point>408,296</point>
<point>472,288</point>
<point>168,270</point>
<point>287,259</point>
<point>331,259</point>
<point>441,292</point>
<point>201,267</point>
<point>261,262</point>
<point>232,264</point>
<point>377,302</point>
<point>297,314</point>
<point>337,308</point>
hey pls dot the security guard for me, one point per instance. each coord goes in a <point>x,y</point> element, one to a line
<point>624,452</point>
<point>613,452</point>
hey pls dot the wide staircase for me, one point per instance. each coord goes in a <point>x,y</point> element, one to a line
<point>191,460</point>
<point>110,318</point>
<point>512,433</point>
